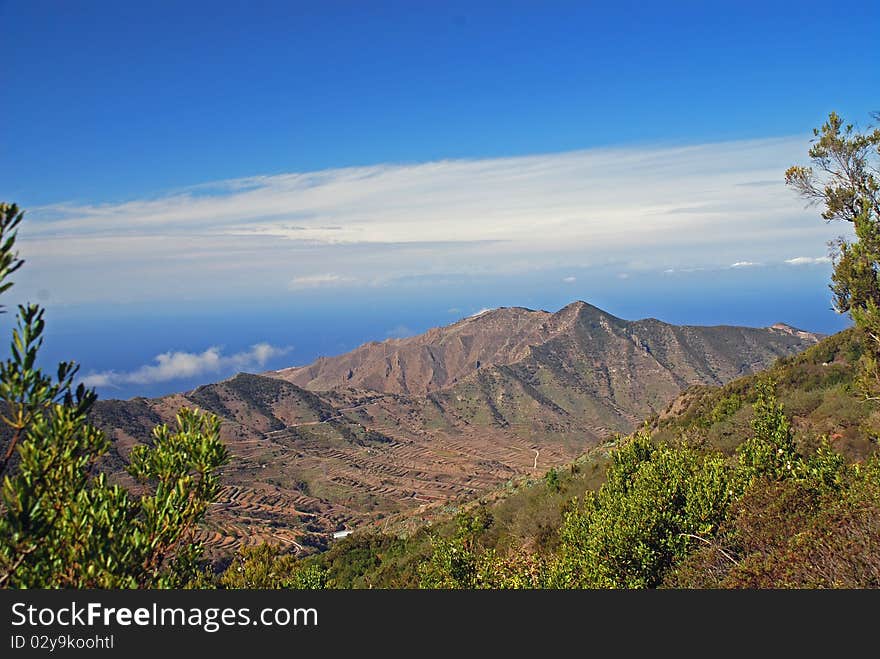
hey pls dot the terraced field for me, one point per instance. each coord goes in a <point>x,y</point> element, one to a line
<point>346,458</point>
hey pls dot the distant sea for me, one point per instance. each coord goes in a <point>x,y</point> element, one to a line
<point>124,337</point>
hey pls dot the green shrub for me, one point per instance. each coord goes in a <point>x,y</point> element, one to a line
<point>656,503</point>
<point>770,452</point>
<point>461,562</point>
<point>268,567</point>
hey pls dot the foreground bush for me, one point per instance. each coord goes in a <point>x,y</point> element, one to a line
<point>62,523</point>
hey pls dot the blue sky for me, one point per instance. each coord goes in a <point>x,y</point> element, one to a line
<point>307,176</point>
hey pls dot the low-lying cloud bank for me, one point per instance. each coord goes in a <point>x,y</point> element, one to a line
<point>179,365</point>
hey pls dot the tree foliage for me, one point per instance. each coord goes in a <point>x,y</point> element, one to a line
<point>62,522</point>
<point>845,179</point>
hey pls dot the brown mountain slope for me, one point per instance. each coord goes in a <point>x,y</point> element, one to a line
<point>598,374</point>
<point>579,337</point>
<point>435,359</point>
<point>444,415</point>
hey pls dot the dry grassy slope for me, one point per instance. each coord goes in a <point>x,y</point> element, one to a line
<point>548,386</point>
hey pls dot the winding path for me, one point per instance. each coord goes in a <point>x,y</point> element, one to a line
<point>340,415</point>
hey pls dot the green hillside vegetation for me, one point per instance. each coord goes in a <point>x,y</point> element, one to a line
<point>772,480</point>
<point>816,388</point>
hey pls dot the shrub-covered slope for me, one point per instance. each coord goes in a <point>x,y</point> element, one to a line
<point>770,481</point>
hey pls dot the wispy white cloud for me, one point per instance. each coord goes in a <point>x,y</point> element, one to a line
<point>808,260</point>
<point>481,312</point>
<point>392,223</point>
<point>569,280</point>
<point>744,264</point>
<point>178,365</point>
<point>314,281</point>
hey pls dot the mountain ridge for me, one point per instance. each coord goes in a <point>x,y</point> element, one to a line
<point>427,362</point>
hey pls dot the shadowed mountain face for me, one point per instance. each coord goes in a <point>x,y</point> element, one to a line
<point>419,422</point>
